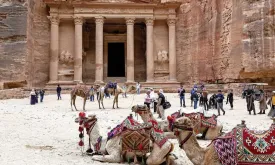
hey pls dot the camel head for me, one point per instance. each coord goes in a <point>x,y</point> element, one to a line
<point>131,89</point>
<point>143,111</point>
<point>83,119</point>
<point>183,129</point>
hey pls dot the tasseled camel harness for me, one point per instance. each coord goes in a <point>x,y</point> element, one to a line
<point>184,128</point>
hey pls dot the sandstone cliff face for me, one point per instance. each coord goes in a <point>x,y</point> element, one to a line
<point>228,40</point>
<point>13,18</point>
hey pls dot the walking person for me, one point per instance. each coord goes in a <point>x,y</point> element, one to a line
<point>92,94</point>
<point>195,99</point>
<point>262,102</point>
<point>191,96</point>
<point>250,101</point>
<point>230,98</point>
<point>161,101</point>
<point>58,91</point>
<point>182,96</point>
<point>36,95</point>
<point>125,91</point>
<point>97,93</point>
<point>205,100</point>
<point>154,101</point>
<point>148,99</point>
<point>42,93</point>
<point>138,88</point>
<point>220,98</point>
<point>32,97</point>
<point>271,102</point>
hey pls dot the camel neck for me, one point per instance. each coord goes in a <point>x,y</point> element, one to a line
<point>146,117</point>
<point>193,150</point>
<point>95,132</point>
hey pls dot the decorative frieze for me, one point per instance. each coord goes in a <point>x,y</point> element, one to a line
<point>113,11</point>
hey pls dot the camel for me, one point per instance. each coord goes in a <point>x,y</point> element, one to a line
<point>115,92</point>
<point>112,151</point>
<point>81,91</point>
<point>208,133</point>
<point>183,129</point>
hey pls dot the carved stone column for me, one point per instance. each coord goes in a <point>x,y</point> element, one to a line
<point>150,49</point>
<point>99,21</point>
<point>172,49</point>
<point>130,50</point>
<point>78,21</point>
<point>54,49</point>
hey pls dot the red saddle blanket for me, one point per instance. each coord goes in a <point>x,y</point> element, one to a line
<point>205,121</point>
<point>242,146</point>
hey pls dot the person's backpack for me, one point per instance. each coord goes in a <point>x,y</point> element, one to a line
<point>166,104</point>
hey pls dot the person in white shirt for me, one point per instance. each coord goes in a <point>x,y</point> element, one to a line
<point>148,99</point>
<point>138,88</point>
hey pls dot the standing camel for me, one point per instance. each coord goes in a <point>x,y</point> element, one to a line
<point>81,91</point>
<point>115,92</point>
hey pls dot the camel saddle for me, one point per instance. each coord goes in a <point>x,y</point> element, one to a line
<point>135,141</point>
<point>206,121</point>
<point>242,146</point>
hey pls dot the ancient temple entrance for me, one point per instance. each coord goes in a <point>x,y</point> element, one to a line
<point>116,60</point>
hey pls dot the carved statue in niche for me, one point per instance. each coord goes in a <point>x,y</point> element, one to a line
<point>66,57</point>
<point>163,56</point>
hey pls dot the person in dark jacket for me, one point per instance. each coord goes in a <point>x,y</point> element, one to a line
<point>161,101</point>
<point>182,96</point>
<point>58,91</point>
<point>36,95</point>
<point>230,98</point>
<point>220,98</point>
<point>41,93</point>
<point>32,97</point>
<point>195,99</point>
<point>250,101</point>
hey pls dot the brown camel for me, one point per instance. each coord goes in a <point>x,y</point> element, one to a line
<point>183,129</point>
<point>113,91</point>
<point>81,91</point>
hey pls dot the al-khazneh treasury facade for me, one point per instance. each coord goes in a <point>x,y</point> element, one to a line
<point>98,41</point>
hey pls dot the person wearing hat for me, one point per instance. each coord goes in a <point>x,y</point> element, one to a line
<point>250,101</point>
<point>220,98</point>
<point>161,101</point>
<point>271,102</point>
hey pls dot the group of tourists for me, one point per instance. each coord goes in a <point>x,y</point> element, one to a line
<point>34,95</point>
<point>156,102</point>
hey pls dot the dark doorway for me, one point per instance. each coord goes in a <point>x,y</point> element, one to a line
<point>116,60</point>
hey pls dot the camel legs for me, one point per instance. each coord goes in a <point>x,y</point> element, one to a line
<point>72,103</point>
<point>117,101</point>
<point>84,103</point>
<point>158,155</point>
<point>74,97</point>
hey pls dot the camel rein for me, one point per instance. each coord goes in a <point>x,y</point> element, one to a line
<point>187,137</point>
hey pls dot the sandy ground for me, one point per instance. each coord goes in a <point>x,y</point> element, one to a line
<point>46,133</point>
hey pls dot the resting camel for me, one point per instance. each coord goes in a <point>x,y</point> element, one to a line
<point>81,91</point>
<point>208,133</point>
<point>222,151</point>
<point>112,148</point>
<point>115,92</point>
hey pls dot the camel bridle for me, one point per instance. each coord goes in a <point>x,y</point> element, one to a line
<point>183,128</point>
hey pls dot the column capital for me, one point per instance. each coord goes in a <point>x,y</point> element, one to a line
<point>54,20</point>
<point>130,20</point>
<point>171,21</point>
<point>99,20</point>
<point>78,20</point>
<point>149,21</point>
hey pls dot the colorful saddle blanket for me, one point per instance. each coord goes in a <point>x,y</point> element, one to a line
<point>242,146</point>
<point>131,124</point>
<point>205,121</point>
<point>133,141</point>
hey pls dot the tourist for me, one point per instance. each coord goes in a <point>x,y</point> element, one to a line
<point>36,95</point>
<point>42,93</point>
<point>161,101</point>
<point>230,98</point>
<point>205,99</point>
<point>191,96</point>
<point>97,93</point>
<point>148,99</point>
<point>92,94</point>
<point>220,98</point>
<point>213,101</point>
<point>138,88</point>
<point>58,91</point>
<point>124,87</point>
<point>195,98</point>
<point>153,97</point>
<point>182,96</point>
<point>250,101</point>
<point>262,103</point>
<point>33,97</point>
<point>271,102</point>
